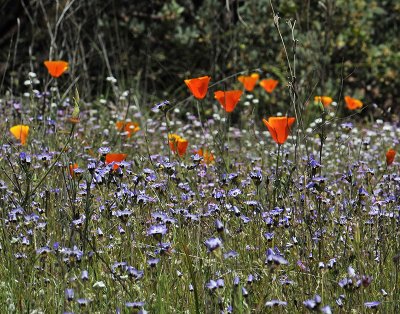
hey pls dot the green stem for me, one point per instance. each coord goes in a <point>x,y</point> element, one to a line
<point>88,214</point>
<point>228,122</point>
<point>201,121</point>
<point>168,131</point>
<point>193,278</point>
<point>322,138</point>
<point>277,179</point>
<point>51,167</point>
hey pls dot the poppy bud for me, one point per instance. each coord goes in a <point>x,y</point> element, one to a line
<point>390,155</point>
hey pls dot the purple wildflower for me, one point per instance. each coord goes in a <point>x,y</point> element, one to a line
<point>162,106</point>
<point>83,302</point>
<point>69,294</point>
<point>211,285</point>
<point>157,231</point>
<point>231,254</point>
<point>152,262</point>
<point>372,304</point>
<point>213,244</point>
<point>273,303</point>
<point>219,225</point>
<point>135,305</point>
<point>104,150</point>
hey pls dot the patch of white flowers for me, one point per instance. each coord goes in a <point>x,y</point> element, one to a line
<point>111,79</point>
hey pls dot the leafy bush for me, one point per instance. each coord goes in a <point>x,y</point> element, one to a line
<point>162,42</point>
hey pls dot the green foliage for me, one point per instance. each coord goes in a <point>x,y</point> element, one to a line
<point>163,42</point>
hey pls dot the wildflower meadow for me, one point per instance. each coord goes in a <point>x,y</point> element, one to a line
<point>254,190</point>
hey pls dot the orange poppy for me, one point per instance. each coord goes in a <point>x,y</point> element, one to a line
<point>178,144</point>
<point>71,169</point>
<point>198,86</point>
<point>20,132</point>
<point>249,81</point>
<point>115,157</point>
<point>73,120</point>
<point>279,128</point>
<point>269,85</point>
<point>56,68</point>
<point>325,100</point>
<point>390,154</point>
<point>352,103</point>
<point>228,99</point>
<point>128,127</point>
<point>208,157</point>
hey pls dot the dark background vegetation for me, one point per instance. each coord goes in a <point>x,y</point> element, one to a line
<point>153,45</point>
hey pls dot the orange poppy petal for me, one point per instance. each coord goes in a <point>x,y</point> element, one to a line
<point>71,169</point>
<point>228,99</point>
<point>172,146</point>
<point>119,125</point>
<point>271,130</point>
<point>115,157</point>
<point>182,146</point>
<point>173,137</point>
<point>282,128</point>
<point>279,128</point>
<point>128,127</point>
<point>249,82</point>
<point>269,85</point>
<point>177,144</point>
<point>353,103</point>
<point>56,68</point>
<point>198,86</point>
<point>325,100</point>
<point>390,155</point>
<point>20,132</point>
<point>208,157</point>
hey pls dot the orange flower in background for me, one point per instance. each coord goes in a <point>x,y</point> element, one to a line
<point>228,99</point>
<point>71,169</point>
<point>115,157</point>
<point>352,103</point>
<point>208,157</point>
<point>269,85</point>
<point>390,154</point>
<point>279,128</point>
<point>198,86</point>
<point>249,81</point>
<point>178,144</point>
<point>20,132</point>
<point>325,100</point>
<point>129,127</point>
<point>56,68</point>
